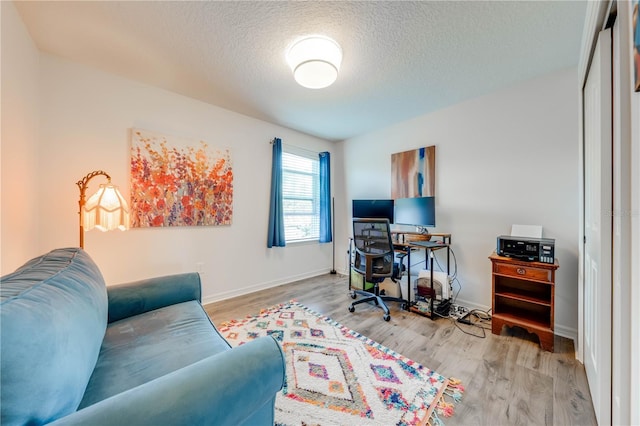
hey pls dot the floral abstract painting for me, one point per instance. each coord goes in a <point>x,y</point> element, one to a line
<point>179,182</point>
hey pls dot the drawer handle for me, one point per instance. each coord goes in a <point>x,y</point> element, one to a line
<point>521,271</point>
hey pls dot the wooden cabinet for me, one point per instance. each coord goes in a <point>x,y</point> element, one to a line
<point>523,296</point>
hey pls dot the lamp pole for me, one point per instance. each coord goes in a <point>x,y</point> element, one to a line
<point>333,237</point>
<point>82,184</point>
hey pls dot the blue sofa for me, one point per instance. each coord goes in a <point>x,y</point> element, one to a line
<point>76,352</point>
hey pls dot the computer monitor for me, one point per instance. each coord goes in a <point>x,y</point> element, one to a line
<point>373,209</point>
<point>418,211</point>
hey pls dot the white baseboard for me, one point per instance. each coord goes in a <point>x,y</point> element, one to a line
<point>560,330</point>
<point>568,332</point>
<point>261,286</point>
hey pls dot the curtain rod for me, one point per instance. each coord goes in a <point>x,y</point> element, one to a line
<point>294,147</point>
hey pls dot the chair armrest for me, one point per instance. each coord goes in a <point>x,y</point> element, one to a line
<point>134,298</point>
<point>224,389</point>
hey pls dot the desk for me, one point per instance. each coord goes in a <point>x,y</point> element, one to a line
<point>403,244</point>
<point>408,241</point>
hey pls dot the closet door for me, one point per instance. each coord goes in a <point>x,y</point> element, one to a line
<point>597,227</point>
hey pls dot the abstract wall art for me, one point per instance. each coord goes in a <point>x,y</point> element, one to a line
<point>413,173</point>
<point>179,182</point>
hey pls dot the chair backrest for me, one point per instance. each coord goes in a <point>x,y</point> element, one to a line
<point>374,248</point>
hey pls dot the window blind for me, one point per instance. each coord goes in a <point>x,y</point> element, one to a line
<point>300,195</point>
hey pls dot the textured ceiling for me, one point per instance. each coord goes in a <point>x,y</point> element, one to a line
<point>401,59</point>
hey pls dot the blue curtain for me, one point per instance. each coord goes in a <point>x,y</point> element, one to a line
<point>275,237</point>
<point>325,197</point>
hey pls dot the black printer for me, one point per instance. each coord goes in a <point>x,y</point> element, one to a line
<point>525,248</point>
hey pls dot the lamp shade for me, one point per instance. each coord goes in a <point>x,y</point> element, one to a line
<point>106,210</point>
<point>315,61</point>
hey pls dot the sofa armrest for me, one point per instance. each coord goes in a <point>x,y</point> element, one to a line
<point>134,298</point>
<point>224,389</point>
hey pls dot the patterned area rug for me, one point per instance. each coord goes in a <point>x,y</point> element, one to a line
<point>337,376</point>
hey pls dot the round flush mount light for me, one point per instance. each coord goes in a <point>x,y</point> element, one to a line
<point>315,61</point>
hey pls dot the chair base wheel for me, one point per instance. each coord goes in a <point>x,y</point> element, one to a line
<point>387,317</point>
<point>353,295</point>
<point>351,309</point>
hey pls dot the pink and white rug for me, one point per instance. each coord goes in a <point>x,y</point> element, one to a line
<point>338,376</point>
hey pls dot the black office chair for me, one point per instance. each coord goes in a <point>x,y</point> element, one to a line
<point>375,260</point>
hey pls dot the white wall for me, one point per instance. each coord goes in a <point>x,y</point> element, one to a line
<point>19,235</point>
<point>85,117</point>
<point>506,158</point>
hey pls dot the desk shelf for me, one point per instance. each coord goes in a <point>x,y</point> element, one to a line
<point>428,242</point>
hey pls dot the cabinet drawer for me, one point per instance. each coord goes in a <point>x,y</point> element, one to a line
<point>525,272</point>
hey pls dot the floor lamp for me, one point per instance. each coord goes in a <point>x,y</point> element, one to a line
<point>105,210</point>
<point>333,236</point>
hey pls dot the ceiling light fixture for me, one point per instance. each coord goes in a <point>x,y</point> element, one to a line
<point>315,61</point>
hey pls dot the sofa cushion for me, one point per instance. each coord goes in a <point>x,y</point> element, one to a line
<point>53,316</point>
<point>144,347</point>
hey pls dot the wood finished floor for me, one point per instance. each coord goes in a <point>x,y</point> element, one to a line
<point>509,380</point>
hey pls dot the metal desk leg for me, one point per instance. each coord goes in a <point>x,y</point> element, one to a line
<point>408,278</point>
<point>350,265</point>
<point>448,254</point>
<point>433,294</point>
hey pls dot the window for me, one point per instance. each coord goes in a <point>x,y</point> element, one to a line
<point>300,195</point>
